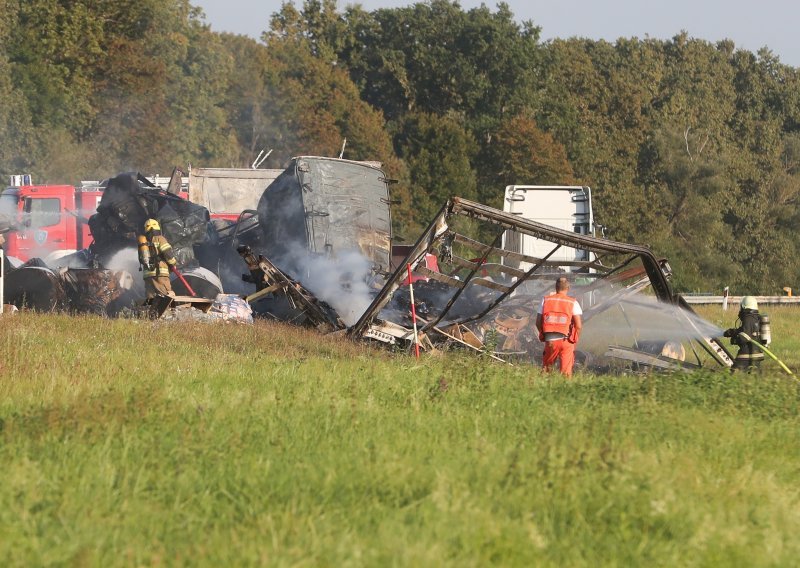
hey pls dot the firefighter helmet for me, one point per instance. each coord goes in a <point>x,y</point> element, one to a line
<point>749,303</point>
<point>151,225</point>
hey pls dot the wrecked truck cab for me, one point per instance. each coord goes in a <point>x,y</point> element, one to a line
<point>128,200</point>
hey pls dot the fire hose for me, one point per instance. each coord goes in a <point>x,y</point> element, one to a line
<point>185,283</point>
<point>767,351</point>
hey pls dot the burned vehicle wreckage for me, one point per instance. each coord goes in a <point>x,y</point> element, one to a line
<point>317,251</point>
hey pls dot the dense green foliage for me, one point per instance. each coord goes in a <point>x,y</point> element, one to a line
<point>691,147</point>
<point>270,445</point>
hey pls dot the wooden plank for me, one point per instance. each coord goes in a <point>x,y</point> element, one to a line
<point>636,356</point>
<point>255,296</point>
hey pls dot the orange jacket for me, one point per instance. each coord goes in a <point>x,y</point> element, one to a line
<point>557,313</point>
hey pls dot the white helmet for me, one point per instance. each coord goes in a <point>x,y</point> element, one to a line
<point>749,303</point>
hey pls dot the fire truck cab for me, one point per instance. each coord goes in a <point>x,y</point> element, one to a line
<point>51,219</point>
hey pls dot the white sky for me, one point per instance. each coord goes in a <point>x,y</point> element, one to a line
<point>750,24</point>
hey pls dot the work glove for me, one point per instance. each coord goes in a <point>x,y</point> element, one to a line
<point>729,333</point>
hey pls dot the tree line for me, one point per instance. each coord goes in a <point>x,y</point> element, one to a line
<point>689,146</point>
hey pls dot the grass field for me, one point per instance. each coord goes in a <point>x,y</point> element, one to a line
<point>146,443</point>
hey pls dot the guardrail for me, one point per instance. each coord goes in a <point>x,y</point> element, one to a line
<point>733,301</point>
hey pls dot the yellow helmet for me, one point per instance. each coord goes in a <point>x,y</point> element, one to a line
<point>151,225</point>
<point>749,303</point>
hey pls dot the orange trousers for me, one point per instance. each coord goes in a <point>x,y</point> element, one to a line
<point>560,349</point>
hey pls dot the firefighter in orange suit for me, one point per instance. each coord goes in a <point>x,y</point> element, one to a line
<point>559,323</point>
<point>156,258</point>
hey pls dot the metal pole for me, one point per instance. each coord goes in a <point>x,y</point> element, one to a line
<point>413,312</point>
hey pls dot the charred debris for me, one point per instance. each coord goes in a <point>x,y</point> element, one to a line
<point>316,251</point>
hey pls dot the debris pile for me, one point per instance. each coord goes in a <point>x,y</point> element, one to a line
<point>77,290</point>
<point>97,291</point>
<point>490,294</point>
<point>224,308</point>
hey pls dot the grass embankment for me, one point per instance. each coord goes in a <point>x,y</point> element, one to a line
<point>128,443</point>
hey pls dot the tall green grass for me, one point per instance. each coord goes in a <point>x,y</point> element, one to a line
<point>141,443</point>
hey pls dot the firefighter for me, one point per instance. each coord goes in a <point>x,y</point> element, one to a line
<point>559,323</point>
<point>749,356</point>
<point>156,258</point>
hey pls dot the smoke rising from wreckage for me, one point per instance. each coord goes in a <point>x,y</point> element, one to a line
<point>317,252</point>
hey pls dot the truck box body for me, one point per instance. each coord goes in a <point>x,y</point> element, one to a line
<point>564,207</point>
<point>327,206</point>
<point>226,192</point>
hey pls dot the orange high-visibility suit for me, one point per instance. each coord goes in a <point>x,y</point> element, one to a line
<point>559,325</point>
